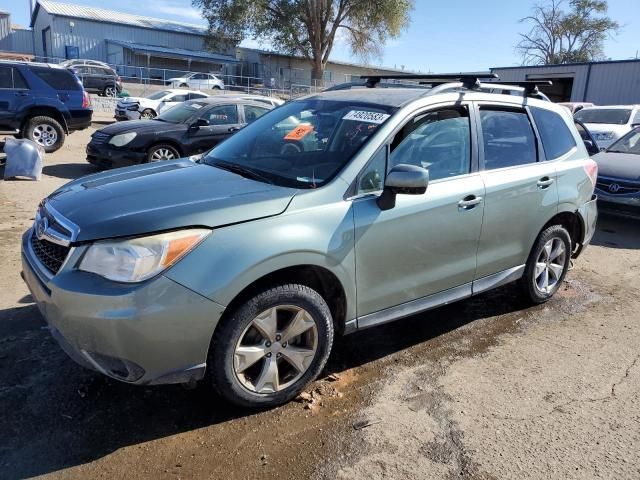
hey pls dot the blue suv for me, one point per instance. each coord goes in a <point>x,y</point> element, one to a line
<point>42,102</point>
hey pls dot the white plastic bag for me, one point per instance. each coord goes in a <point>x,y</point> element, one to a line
<point>24,159</point>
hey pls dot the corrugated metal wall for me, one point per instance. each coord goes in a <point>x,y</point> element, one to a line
<point>5,32</point>
<point>609,83</point>
<point>22,41</point>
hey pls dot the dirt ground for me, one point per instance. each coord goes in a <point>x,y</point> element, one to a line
<point>484,389</point>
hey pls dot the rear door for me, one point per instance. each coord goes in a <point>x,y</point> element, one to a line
<point>224,121</point>
<point>14,96</point>
<point>521,188</point>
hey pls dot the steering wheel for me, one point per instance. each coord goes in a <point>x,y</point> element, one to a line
<point>289,149</point>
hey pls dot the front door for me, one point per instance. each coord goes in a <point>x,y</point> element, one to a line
<point>427,243</point>
<point>521,191</point>
<point>224,121</point>
<point>14,94</point>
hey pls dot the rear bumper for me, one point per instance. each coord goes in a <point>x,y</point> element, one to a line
<point>149,333</point>
<point>588,213</point>
<point>79,119</point>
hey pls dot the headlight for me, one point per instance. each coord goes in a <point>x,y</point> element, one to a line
<point>138,259</point>
<point>123,139</point>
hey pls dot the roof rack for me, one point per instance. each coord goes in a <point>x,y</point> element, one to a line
<point>469,79</point>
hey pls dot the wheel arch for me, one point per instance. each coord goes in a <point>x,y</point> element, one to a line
<point>170,142</point>
<point>573,223</point>
<point>316,277</point>
<point>48,112</point>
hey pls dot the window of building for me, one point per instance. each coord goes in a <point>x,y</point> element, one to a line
<point>508,138</point>
<point>439,141</point>
<point>554,133</point>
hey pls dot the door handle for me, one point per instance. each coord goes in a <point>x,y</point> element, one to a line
<point>469,202</point>
<point>233,129</point>
<point>544,182</point>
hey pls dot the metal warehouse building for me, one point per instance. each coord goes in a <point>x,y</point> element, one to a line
<point>155,49</point>
<point>615,82</point>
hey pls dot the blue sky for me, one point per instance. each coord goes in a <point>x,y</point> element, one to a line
<point>443,35</point>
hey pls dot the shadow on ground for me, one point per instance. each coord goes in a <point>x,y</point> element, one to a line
<point>617,232</point>
<point>70,171</point>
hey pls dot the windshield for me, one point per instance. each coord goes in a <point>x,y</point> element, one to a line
<point>612,116</point>
<point>630,143</point>
<point>180,112</point>
<point>302,144</point>
<point>158,95</point>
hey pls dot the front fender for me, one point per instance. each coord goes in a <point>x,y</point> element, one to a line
<point>234,257</point>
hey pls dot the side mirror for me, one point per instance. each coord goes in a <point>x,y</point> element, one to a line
<point>405,180</point>
<point>199,123</point>
<point>592,148</point>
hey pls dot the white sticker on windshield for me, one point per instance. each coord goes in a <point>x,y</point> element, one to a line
<point>196,105</point>
<point>364,116</point>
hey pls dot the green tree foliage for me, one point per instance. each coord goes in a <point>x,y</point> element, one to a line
<point>559,36</point>
<point>307,27</point>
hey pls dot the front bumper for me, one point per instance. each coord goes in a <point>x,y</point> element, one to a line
<point>626,205</point>
<point>149,333</point>
<point>124,114</point>
<point>106,156</point>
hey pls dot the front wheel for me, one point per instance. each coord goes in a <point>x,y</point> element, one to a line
<point>161,152</point>
<point>547,265</point>
<point>267,350</point>
<point>147,114</point>
<point>110,91</point>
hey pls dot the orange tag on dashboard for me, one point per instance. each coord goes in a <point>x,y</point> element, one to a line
<point>299,132</point>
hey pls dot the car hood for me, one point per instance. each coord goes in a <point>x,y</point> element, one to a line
<point>164,196</point>
<point>618,165</point>
<point>139,126</point>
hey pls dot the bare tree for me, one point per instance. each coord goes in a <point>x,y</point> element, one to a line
<point>307,27</point>
<point>557,36</point>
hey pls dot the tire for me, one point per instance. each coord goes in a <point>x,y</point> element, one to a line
<point>241,383</point>
<point>147,113</point>
<point>184,85</point>
<point>216,87</point>
<point>45,131</point>
<point>161,152</point>
<point>110,91</point>
<point>538,265</point>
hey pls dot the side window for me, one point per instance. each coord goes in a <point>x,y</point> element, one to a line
<point>554,133</point>
<point>199,76</point>
<point>371,179</point>
<point>181,97</point>
<point>222,115</point>
<point>57,79</point>
<point>439,141</point>
<point>252,112</point>
<point>6,77</point>
<point>507,138</point>
<point>636,118</point>
<point>18,80</point>
<point>194,96</point>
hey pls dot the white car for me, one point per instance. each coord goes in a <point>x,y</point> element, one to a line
<point>274,101</point>
<point>134,108</point>
<point>608,124</point>
<point>198,80</point>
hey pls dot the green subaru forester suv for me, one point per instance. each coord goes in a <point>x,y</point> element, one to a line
<point>332,213</point>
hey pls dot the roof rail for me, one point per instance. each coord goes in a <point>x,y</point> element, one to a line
<point>469,79</point>
<point>530,86</point>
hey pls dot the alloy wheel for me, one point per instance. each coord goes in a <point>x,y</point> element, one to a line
<point>275,349</point>
<point>550,265</point>
<point>44,134</point>
<point>163,154</point>
<point>110,91</point>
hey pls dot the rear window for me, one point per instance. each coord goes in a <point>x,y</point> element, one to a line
<point>57,78</point>
<point>611,116</point>
<point>554,133</point>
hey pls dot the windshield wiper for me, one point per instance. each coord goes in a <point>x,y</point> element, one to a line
<point>243,171</point>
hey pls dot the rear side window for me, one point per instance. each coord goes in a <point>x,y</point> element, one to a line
<point>252,112</point>
<point>508,138</point>
<point>222,115</point>
<point>11,78</point>
<point>196,96</point>
<point>57,78</point>
<point>554,133</point>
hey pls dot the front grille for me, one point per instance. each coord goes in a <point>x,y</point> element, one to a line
<point>621,187</point>
<point>50,254</point>
<point>99,138</point>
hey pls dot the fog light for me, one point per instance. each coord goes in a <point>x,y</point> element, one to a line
<point>118,368</point>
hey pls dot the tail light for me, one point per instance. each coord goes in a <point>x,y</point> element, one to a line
<point>86,103</point>
<point>591,168</point>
